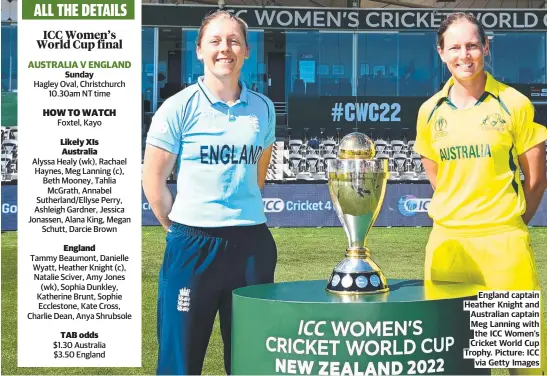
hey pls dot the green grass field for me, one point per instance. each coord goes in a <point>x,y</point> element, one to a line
<point>9,109</point>
<point>304,254</point>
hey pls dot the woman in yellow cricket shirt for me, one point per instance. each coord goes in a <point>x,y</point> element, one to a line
<point>475,136</point>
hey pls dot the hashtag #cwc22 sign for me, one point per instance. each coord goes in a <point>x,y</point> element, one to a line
<point>349,113</point>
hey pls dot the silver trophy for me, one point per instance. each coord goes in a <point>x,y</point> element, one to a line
<point>357,185</point>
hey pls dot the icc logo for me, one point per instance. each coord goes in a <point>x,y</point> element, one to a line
<point>409,205</point>
<point>440,125</point>
<point>440,128</point>
<point>273,205</point>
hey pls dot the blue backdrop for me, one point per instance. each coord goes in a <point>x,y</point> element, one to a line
<point>305,205</point>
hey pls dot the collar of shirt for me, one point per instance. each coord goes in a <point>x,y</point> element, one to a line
<point>491,88</point>
<point>213,99</point>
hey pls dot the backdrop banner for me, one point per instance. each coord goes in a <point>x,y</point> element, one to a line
<point>344,18</point>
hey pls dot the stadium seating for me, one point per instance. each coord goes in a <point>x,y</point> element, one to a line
<point>9,154</point>
<point>277,162</point>
<point>307,161</point>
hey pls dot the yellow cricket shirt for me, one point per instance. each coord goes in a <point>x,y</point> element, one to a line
<point>476,150</point>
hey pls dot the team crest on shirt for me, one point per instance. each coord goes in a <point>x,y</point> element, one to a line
<point>493,122</point>
<point>440,127</point>
<point>183,303</point>
<point>206,116</point>
<point>253,120</point>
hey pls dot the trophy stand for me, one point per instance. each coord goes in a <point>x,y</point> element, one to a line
<point>267,313</point>
<point>357,274</point>
<point>357,186</point>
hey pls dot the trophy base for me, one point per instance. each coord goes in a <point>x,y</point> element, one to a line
<point>357,275</point>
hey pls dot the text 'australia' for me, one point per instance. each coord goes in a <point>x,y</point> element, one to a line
<point>465,152</point>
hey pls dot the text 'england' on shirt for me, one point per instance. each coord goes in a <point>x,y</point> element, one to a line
<point>218,147</point>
